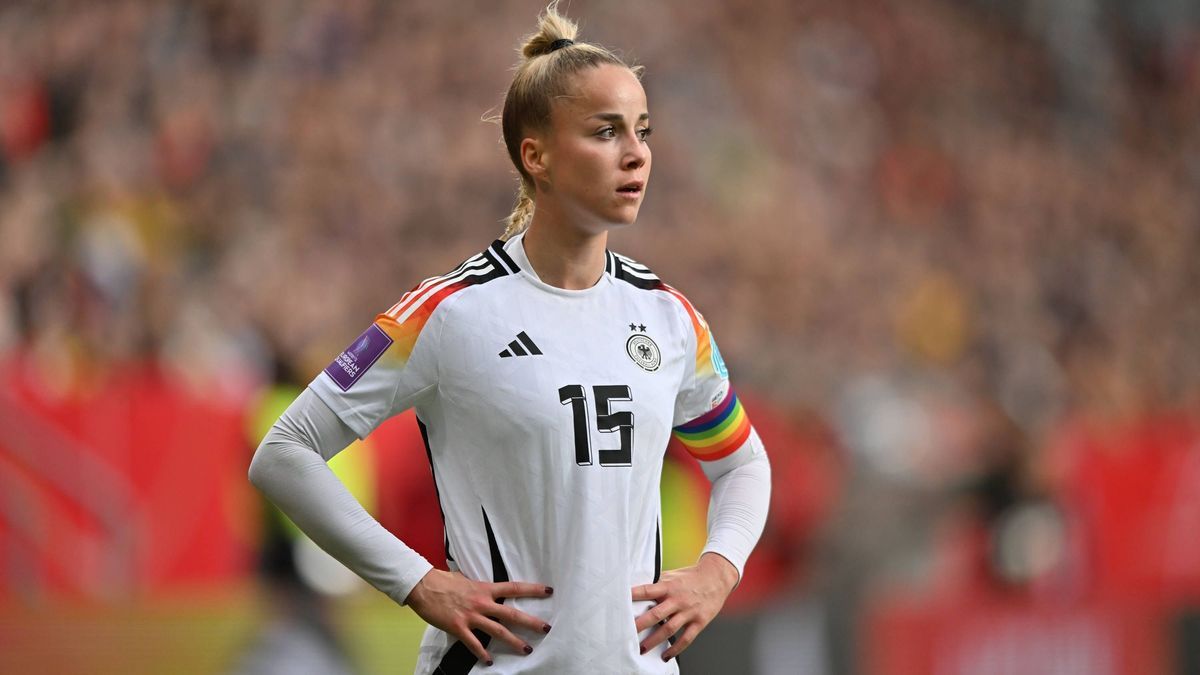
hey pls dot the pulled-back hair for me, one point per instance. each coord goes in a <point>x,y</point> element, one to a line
<point>543,73</point>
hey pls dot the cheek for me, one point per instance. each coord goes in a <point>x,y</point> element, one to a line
<point>589,170</point>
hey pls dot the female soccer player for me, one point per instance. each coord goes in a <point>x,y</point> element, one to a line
<point>547,374</point>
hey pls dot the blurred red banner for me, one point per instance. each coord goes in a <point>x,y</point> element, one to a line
<point>130,485</point>
<point>913,637</point>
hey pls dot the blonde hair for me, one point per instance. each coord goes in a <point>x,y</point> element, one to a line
<point>543,73</point>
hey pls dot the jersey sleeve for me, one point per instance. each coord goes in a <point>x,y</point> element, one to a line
<point>714,428</point>
<point>385,371</point>
<point>709,419</point>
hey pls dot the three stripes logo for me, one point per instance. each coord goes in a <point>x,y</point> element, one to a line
<point>522,346</point>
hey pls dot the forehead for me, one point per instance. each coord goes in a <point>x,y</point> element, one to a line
<point>605,88</point>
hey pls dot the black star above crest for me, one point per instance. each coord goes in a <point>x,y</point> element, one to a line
<point>641,328</point>
<point>633,326</point>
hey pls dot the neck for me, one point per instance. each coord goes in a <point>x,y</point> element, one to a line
<point>563,256</point>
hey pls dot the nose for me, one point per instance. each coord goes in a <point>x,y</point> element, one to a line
<point>636,154</point>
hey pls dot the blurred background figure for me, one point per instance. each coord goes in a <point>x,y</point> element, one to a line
<point>952,247</point>
<point>296,577</point>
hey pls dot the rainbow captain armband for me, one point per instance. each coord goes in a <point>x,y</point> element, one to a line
<point>717,433</point>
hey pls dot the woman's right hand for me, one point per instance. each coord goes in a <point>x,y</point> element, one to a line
<point>456,604</point>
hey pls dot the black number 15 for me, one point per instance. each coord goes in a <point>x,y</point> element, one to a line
<point>606,421</point>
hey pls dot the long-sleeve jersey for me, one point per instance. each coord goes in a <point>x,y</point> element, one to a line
<point>546,414</point>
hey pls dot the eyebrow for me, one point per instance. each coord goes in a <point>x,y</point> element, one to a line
<point>617,117</point>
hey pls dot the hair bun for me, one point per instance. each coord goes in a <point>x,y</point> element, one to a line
<point>552,29</point>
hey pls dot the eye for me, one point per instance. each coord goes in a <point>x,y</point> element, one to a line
<point>607,132</point>
<point>644,132</point>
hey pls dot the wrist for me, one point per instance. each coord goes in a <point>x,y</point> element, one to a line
<point>417,592</point>
<point>723,570</point>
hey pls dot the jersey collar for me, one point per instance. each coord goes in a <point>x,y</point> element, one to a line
<point>513,252</point>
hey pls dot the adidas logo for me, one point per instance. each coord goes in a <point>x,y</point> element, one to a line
<point>522,346</point>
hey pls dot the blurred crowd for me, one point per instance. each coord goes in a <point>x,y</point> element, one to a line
<point>951,238</point>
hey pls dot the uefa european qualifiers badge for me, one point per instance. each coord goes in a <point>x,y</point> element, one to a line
<point>642,349</point>
<point>358,357</point>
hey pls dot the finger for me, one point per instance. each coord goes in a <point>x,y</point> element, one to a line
<point>685,640</point>
<point>664,631</point>
<point>520,589</point>
<point>498,631</point>
<point>468,638</point>
<point>515,617</point>
<point>649,592</point>
<point>655,615</point>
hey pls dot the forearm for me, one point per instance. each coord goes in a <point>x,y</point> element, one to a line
<point>290,468</point>
<point>737,510</point>
<point>687,599</point>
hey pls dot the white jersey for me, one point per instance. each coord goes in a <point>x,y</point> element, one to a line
<point>546,413</point>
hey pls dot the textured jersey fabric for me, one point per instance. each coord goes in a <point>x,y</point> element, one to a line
<point>546,414</point>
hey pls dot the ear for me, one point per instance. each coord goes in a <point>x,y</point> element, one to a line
<point>533,157</point>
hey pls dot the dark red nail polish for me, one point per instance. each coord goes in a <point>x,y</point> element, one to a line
<point>642,648</point>
<point>549,590</point>
<point>666,658</point>
<point>545,628</point>
<point>489,662</point>
<point>528,649</point>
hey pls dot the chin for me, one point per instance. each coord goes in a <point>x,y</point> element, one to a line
<point>595,221</point>
<point>608,221</point>
<point>624,218</point>
<point>601,225</point>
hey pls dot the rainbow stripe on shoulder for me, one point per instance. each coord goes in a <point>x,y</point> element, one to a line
<point>718,433</point>
<point>405,320</point>
<point>704,341</point>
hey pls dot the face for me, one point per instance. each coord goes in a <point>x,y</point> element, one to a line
<point>594,161</point>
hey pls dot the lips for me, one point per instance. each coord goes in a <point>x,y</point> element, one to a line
<point>632,188</point>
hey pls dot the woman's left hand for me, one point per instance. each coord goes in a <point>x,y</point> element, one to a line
<point>687,599</point>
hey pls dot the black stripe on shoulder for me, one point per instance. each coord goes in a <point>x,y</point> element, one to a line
<point>490,257</point>
<point>475,262</point>
<point>498,270</point>
<point>478,269</point>
<point>635,273</point>
<point>498,247</point>
<point>459,659</point>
